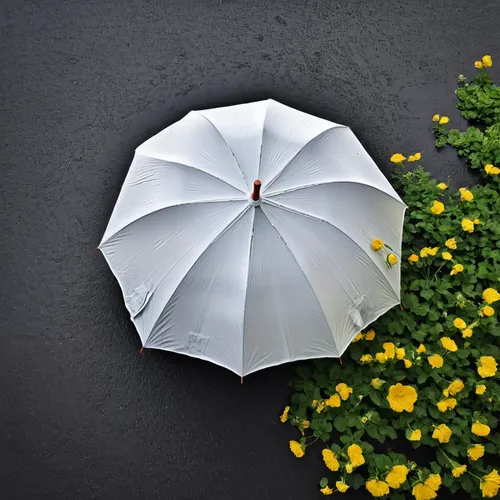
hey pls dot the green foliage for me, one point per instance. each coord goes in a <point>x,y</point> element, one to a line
<point>436,289</point>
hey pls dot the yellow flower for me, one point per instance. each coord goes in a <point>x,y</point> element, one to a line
<point>480,429</point>
<point>377,245</point>
<point>446,404</point>
<point>330,460</point>
<point>442,433</point>
<point>333,401</point>
<point>284,415</point>
<point>349,468</point>
<point>435,118</point>
<point>370,335</point>
<point>480,389</point>
<point>415,157</point>
<point>465,195</point>
<point>437,207</point>
<point>306,424</point>
<point>297,449</point>
<point>459,470</point>
<point>478,64</point>
<point>490,484</point>
<point>341,486</point>
<point>389,349</point>
<point>446,256</point>
<point>433,481</point>
<point>416,435</point>
<point>315,403</point>
<point>488,311</point>
<point>421,348</point>
<point>402,398</point>
<point>491,170</point>
<point>344,391</point>
<point>457,268</point>
<point>433,251</point>
<point>459,323</point>
<point>355,453</point>
<point>408,363</point>
<point>448,344</point>
<point>366,358</point>
<point>487,366</point>
<point>397,158</point>
<point>490,295</point>
<point>442,186</point>
<point>424,252</point>
<point>400,353</point>
<point>475,452</point>
<point>321,406</point>
<point>381,357</point>
<point>476,221</point>
<point>436,361</point>
<point>455,387</point>
<point>376,383</point>
<point>326,490</point>
<point>444,120</point>
<point>392,259</point>
<point>358,337</point>
<point>468,225</point>
<point>451,243</point>
<point>397,476</point>
<point>377,488</point>
<point>413,257</point>
<point>466,333</point>
<point>487,62</point>
<point>423,492</point>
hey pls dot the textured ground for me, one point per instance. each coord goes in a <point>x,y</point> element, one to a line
<point>83,83</point>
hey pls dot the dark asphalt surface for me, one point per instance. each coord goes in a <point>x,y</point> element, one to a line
<point>82,414</point>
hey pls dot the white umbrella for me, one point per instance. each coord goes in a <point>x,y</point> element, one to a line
<point>246,283</point>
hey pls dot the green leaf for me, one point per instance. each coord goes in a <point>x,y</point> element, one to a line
<point>375,397</point>
<point>323,482</point>
<point>340,423</point>
<point>355,480</point>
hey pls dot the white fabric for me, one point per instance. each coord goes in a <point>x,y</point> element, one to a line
<point>206,272</point>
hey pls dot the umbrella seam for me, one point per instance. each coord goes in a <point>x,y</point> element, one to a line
<point>303,214</point>
<point>314,184</point>
<point>262,138</point>
<point>307,280</point>
<point>154,157</point>
<point>250,253</point>
<point>226,200</point>
<point>245,181</point>
<point>214,239</point>
<point>333,127</point>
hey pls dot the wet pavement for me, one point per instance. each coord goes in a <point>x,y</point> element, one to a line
<point>82,414</point>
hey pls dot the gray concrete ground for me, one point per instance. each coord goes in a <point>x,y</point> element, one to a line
<point>82,414</point>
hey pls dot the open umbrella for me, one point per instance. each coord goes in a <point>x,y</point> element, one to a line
<point>242,235</point>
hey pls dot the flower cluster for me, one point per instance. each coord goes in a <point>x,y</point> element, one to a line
<point>426,371</point>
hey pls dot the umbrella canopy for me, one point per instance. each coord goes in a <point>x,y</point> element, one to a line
<point>247,282</point>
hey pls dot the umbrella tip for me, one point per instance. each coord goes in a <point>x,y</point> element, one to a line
<point>241,380</point>
<point>256,190</point>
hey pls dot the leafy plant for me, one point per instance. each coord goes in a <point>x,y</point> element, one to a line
<point>425,374</point>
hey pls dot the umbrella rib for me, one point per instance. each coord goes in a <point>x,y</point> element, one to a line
<point>303,214</point>
<point>250,251</point>
<point>314,184</point>
<point>275,178</point>
<point>213,240</point>
<point>229,149</point>
<point>221,200</point>
<point>262,139</point>
<point>305,277</point>
<point>194,168</point>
